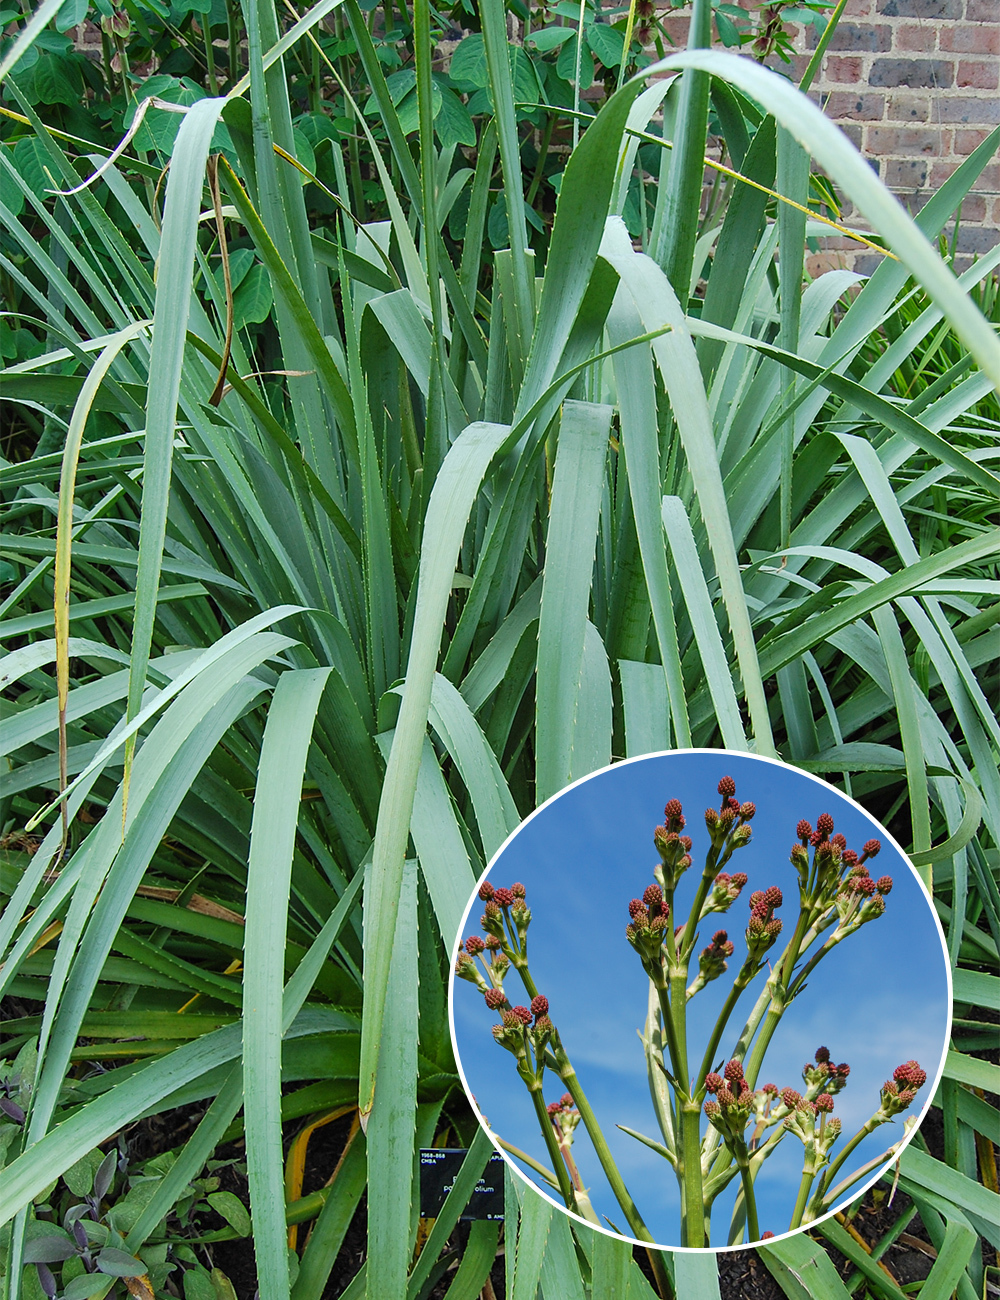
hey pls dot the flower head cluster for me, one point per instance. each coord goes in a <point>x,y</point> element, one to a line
<point>724,892</point>
<point>647,928</point>
<point>673,847</point>
<point>836,876</point>
<point>733,1101</point>
<point>520,1026</point>
<point>763,927</point>
<point>504,905</point>
<point>859,898</point>
<point>824,1076</point>
<point>810,1122</point>
<point>712,961</point>
<point>565,1117</point>
<point>729,827</point>
<point>899,1091</point>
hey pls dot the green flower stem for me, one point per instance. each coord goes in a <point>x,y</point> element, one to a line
<point>530,1161</point>
<point>521,966</point>
<point>694,916</point>
<point>678,1021</point>
<point>717,1032</point>
<point>800,979</point>
<point>749,1200</point>
<point>569,1078</point>
<point>552,1142</point>
<point>690,1152</point>
<point>779,1000</point>
<point>867,1127</point>
<point>808,1174</point>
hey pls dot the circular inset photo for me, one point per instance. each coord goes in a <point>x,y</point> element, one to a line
<point>700,999</point>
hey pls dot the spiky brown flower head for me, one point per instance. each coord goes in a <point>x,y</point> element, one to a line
<point>495,999</point>
<point>474,945</point>
<point>466,969</point>
<point>553,1108</point>
<point>763,927</point>
<point>674,814</point>
<point>728,816</point>
<point>523,1014</point>
<point>713,1082</point>
<point>849,859</point>
<point>492,920</point>
<point>499,965</point>
<point>790,1097</point>
<point>509,1018</point>
<point>871,849</point>
<point>539,1005</point>
<point>711,819</point>
<point>733,1070</point>
<point>486,891</point>
<point>492,944</point>
<point>843,1070</point>
<point>503,897</point>
<point>637,910</point>
<point>804,831</point>
<point>824,1102</point>
<point>884,885</point>
<point>840,841</point>
<point>712,1109</point>
<point>766,1236</point>
<point>822,1055</point>
<point>653,896</point>
<point>566,1099</point>
<point>824,823</point>
<point>518,890</point>
<point>712,960</point>
<point>799,858</point>
<point>540,1034</point>
<point>896,1099</point>
<point>727,787</point>
<point>742,836</point>
<point>748,810</point>
<point>910,1074</point>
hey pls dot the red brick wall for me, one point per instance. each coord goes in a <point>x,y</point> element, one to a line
<point>916,86</point>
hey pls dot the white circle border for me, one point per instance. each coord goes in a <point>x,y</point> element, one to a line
<point>908,1136</point>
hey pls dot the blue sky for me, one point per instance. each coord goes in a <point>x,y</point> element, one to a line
<point>879,998</point>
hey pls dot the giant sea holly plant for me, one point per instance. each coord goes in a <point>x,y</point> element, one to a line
<point>302,619</point>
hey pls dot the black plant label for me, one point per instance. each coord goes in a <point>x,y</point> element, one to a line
<point>439,1168</point>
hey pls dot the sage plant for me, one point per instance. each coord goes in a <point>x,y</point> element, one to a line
<point>745,1123</point>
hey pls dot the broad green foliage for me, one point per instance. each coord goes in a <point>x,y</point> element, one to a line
<point>317,661</point>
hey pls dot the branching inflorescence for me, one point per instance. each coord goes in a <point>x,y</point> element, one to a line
<point>745,1123</point>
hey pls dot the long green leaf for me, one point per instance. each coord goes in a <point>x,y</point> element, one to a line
<point>569,561</point>
<point>272,842</point>
<point>447,514</point>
